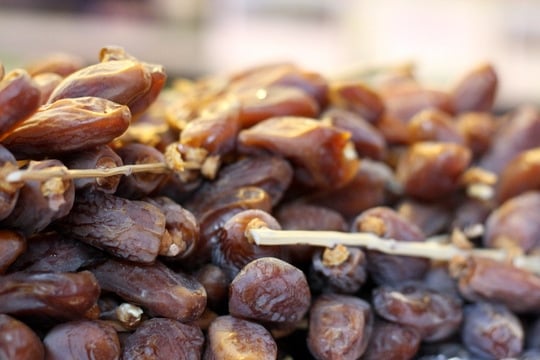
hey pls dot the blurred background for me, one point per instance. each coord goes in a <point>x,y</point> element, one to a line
<point>193,38</point>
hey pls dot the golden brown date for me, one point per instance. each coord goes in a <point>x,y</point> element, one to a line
<point>47,82</point>
<point>19,98</point>
<point>18,341</point>
<point>120,81</point>
<point>127,229</point>
<point>62,64</point>
<point>68,125</point>
<point>521,174</point>
<point>323,155</point>
<point>155,287</point>
<point>432,170</point>
<point>82,339</point>
<point>433,125</point>
<point>61,296</point>
<point>358,98</point>
<point>224,333</point>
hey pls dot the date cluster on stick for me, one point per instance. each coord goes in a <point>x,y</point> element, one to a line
<point>272,213</point>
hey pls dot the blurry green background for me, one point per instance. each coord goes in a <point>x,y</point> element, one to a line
<point>193,38</point>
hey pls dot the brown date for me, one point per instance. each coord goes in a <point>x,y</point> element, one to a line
<point>482,279</point>
<point>339,327</point>
<point>155,287</point>
<point>120,81</point>
<point>358,98</point>
<point>12,245</point>
<point>19,99</point>
<point>392,341</point>
<point>269,290</point>
<point>52,252</point>
<point>82,339</point>
<point>405,102</point>
<point>46,83</point>
<point>9,192</point>
<point>331,163</point>
<point>431,170</point>
<point>235,249</point>
<point>216,284</point>
<point>430,218</point>
<point>258,104</point>
<point>18,341</point>
<point>160,338</point>
<point>387,223</point>
<point>77,124</point>
<point>138,185</point>
<point>433,125</point>
<point>62,296</point>
<point>476,91</point>
<point>521,174</point>
<point>515,223</point>
<point>62,64</point>
<point>478,130</point>
<point>137,231</point>
<point>367,139</point>
<point>520,131</point>
<point>100,157</point>
<point>41,202</point>
<point>231,338</point>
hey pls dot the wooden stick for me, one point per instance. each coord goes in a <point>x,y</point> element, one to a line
<point>430,249</point>
<point>65,173</point>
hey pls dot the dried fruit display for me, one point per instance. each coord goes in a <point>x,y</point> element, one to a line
<point>274,213</point>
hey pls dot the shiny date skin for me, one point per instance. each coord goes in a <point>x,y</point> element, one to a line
<point>18,341</point>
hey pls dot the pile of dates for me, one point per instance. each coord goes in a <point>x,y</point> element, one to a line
<point>160,263</point>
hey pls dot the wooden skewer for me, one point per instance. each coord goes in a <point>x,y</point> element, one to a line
<point>65,173</point>
<point>430,249</point>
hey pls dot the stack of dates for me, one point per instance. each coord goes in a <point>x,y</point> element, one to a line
<point>158,261</point>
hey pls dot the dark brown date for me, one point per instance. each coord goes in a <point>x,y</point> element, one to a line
<point>392,341</point>
<point>233,338</point>
<point>430,218</point>
<point>482,279</point>
<point>82,339</point>
<point>40,202</point>
<point>297,215</point>
<point>387,223</point>
<point>436,316</point>
<point>128,229</point>
<point>431,170</point>
<point>521,174</point>
<point>476,91</point>
<point>100,157</point>
<point>160,338</point>
<point>77,124</point>
<point>323,155</point>
<point>367,189</point>
<point>491,331</point>
<point>515,223</point>
<point>136,186</point>
<point>340,269</point>
<point>12,245</point>
<point>478,130</point>
<point>405,102</point>
<point>434,125</point>
<point>18,341</point>
<point>19,99</point>
<point>339,327</point>
<point>519,132</point>
<point>9,192</point>
<point>269,290</point>
<point>367,139</point>
<point>181,229</point>
<point>235,249</point>
<point>155,287</point>
<point>270,173</point>
<point>52,252</point>
<point>216,284</point>
<point>119,81</point>
<point>60,296</point>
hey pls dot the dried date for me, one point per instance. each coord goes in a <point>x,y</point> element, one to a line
<point>18,341</point>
